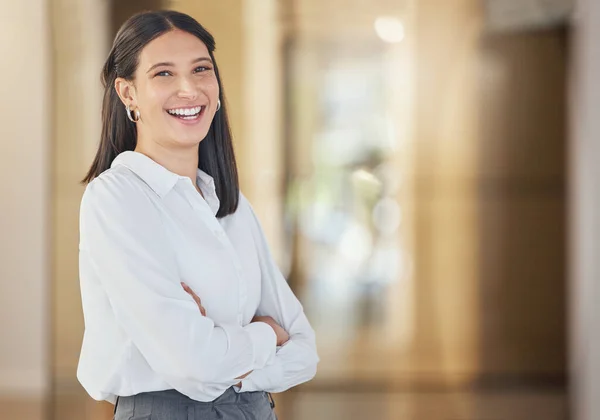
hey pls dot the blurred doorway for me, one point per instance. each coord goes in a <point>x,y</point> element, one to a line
<point>426,204</point>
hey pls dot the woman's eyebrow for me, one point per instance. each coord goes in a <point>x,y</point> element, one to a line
<point>197,60</point>
<point>169,64</point>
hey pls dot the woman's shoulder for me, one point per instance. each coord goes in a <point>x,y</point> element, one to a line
<point>116,187</point>
<point>116,203</point>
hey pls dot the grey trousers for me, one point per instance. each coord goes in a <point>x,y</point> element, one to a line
<point>172,405</point>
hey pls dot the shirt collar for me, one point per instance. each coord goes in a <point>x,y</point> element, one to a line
<point>159,178</point>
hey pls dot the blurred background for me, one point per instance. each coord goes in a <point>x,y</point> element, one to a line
<point>425,171</point>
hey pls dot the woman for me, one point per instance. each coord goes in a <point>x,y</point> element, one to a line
<point>186,313</point>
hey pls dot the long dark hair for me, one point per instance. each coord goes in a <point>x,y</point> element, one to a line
<point>216,156</point>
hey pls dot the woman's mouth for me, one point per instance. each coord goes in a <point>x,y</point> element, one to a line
<point>187,114</point>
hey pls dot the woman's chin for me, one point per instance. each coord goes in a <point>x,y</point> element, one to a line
<point>188,140</point>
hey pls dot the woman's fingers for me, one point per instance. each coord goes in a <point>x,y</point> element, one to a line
<point>244,375</point>
<point>191,293</point>
<point>195,297</point>
<point>282,334</point>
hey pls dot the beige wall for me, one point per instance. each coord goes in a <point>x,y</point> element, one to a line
<point>446,252</point>
<point>80,47</point>
<point>584,218</point>
<point>24,197</point>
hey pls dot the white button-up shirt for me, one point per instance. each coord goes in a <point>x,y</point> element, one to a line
<point>143,230</point>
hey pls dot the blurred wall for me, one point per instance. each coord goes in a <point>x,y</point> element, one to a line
<point>80,46</point>
<point>445,178</point>
<point>522,204</point>
<point>25,186</point>
<point>489,198</point>
<point>584,219</point>
<point>480,159</point>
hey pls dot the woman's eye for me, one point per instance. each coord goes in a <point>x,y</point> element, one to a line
<point>201,69</point>
<point>163,73</point>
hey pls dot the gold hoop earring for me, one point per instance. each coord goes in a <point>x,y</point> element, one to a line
<point>128,112</point>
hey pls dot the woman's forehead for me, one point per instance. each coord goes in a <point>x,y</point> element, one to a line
<point>176,47</point>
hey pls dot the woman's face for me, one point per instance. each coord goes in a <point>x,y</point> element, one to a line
<point>175,90</point>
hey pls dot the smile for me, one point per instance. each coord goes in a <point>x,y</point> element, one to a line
<point>188,114</point>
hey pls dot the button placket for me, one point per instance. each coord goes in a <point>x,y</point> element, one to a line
<point>201,205</point>
<point>239,274</point>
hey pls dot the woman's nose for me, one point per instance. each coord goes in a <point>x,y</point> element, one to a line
<point>187,89</point>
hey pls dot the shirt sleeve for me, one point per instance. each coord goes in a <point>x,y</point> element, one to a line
<point>124,242</point>
<point>296,361</point>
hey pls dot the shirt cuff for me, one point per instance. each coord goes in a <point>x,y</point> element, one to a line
<point>264,342</point>
<point>247,386</point>
<point>263,380</point>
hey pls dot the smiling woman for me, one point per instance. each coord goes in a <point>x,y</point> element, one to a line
<point>160,70</point>
<point>186,312</point>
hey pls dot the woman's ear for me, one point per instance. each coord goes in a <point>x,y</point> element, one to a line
<point>126,91</point>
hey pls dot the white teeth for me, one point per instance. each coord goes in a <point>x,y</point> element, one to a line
<point>185,111</point>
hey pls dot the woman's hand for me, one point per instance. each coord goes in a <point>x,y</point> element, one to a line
<point>195,297</point>
<point>282,335</point>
